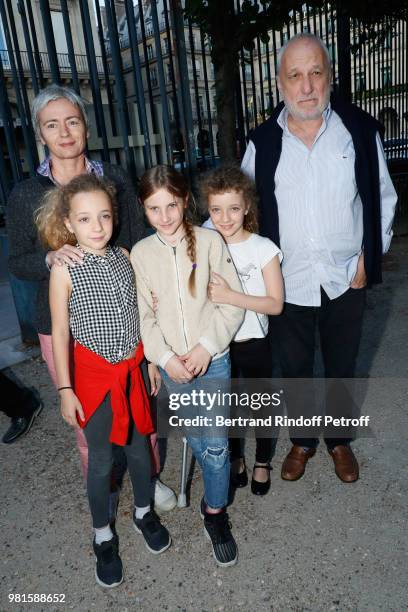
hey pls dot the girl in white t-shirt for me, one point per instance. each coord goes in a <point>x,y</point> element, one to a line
<point>230,198</point>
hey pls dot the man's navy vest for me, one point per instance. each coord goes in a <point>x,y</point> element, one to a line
<point>267,139</point>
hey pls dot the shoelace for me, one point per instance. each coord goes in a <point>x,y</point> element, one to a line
<point>151,521</point>
<point>221,528</point>
<point>108,553</point>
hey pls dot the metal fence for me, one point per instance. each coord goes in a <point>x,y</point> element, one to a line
<point>150,86</point>
<point>63,60</point>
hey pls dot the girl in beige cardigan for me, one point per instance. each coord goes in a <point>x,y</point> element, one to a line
<point>186,334</point>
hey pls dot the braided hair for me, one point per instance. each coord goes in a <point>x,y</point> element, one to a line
<point>166,177</point>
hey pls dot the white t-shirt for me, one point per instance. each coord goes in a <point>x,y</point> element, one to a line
<point>250,257</point>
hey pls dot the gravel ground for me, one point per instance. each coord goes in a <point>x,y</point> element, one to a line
<point>315,544</point>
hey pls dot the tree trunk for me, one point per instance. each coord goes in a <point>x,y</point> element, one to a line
<point>224,56</point>
<point>344,56</point>
<point>225,86</point>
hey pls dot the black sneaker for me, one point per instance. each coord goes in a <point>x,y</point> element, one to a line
<point>108,570</point>
<point>217,528</point>
<point>157,538</point>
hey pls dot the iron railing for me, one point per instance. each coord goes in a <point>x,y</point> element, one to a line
<point>151,87</point>
<point>63,61</point>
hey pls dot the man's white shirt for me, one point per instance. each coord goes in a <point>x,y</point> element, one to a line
<point>320,210</point>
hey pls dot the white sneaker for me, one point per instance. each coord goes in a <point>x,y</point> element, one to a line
<point>164,498</point>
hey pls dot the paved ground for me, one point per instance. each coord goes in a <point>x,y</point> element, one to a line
<point>312,545</point>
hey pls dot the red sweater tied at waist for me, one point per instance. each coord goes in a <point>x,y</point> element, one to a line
<point>95,378</point>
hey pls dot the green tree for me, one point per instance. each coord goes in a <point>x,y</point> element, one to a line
<point>230,29</point>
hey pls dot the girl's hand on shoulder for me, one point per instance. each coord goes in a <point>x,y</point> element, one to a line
<point>219,291</point>
<point>177,371</point>
<point>70,407</point>
<point>197,360</point>
<point>154,378</point>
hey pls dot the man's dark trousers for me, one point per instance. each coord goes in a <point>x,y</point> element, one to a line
<point>16,402</point>
<point>339,323</point>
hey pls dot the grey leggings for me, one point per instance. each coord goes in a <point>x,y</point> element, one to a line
<point>97,432</point>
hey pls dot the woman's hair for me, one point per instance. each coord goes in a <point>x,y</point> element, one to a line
<point>166,177</point>
<point>56,204</point>
<point>50,94</point>
<point>229,177</point>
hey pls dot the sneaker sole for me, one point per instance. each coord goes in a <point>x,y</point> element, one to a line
<point>154,552</point>
<point>107,586</point>
<point>219,563</point>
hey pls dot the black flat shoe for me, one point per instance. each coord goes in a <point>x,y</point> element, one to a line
<point>261,488</point>
<point>239,480</point>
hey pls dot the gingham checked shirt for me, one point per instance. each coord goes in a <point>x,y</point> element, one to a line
<point>103,305</point>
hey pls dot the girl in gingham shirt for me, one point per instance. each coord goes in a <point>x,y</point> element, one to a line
<point>96,301</point>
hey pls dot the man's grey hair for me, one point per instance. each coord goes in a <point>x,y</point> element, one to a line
<point>303,36</point>
<point>50,94</point>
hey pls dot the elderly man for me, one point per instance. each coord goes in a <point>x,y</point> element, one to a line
<point>326,197</point>
<point>60,122</point>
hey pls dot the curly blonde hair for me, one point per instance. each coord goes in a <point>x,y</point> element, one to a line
<point>166,177</point>
<point>56,204</point>
<point>229,177</point>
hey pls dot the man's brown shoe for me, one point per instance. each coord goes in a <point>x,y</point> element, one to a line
<point>294,465</point>
<point>345,463</point>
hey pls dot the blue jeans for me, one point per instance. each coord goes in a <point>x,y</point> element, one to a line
<point>211,452</point>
